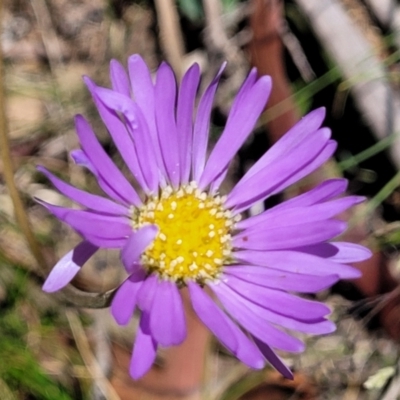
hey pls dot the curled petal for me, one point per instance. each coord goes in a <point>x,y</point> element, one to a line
<point>136,245</point>
<point>68,266</point>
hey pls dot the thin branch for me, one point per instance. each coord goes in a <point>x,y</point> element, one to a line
<point>88,358</point>
<point>170,34</point>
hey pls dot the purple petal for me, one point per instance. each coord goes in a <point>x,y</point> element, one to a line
<point>322,157</point>
<point>136,245</point>
<point>121,189</point>
<point>116,128</point>
<point>276,216</point>
<point>167,318</point>
<point>252,323</point>
<point>316,326</point>
<point>243,93</point>
<point>238,128</point>
<point>119,78</point>
<point>286,237</point>
<point>146,170</point>
<point>124,301</point>
<point>350,252</point>
<point>91,201</point>
<point>325,191</point>
<point>144,350</point>
<point>282,280</point>
<point>257,186</point>
<point>297,262</point>
<point>280,302</point>
<point>273,359</point>
<point>68,266</point>
<point>223,328</point>
<point>143,91</point>
<point>293,138</point>
<point>81,159</point>
<point>184,118</point>
<point>202,125</point>
<point>146,293</point>
<point>94,227</point>
<point>165,93</point>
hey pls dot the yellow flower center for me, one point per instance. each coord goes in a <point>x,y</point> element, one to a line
<point>194,237</point>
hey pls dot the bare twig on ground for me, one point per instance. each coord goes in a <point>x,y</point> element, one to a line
<point>88,358</point>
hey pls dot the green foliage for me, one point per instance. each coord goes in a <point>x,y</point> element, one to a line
<point>20,369</point>
<point>193,9</point>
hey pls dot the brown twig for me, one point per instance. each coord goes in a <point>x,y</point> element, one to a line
<point>88,358</point>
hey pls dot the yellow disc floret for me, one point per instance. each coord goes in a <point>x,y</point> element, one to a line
<point>194,237</point>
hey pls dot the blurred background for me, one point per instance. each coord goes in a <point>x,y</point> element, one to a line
<point>340,54</point>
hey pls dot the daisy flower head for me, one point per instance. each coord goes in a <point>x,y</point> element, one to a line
<point>243,275</point>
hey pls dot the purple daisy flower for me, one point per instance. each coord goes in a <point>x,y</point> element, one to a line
<point>183,233</point>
